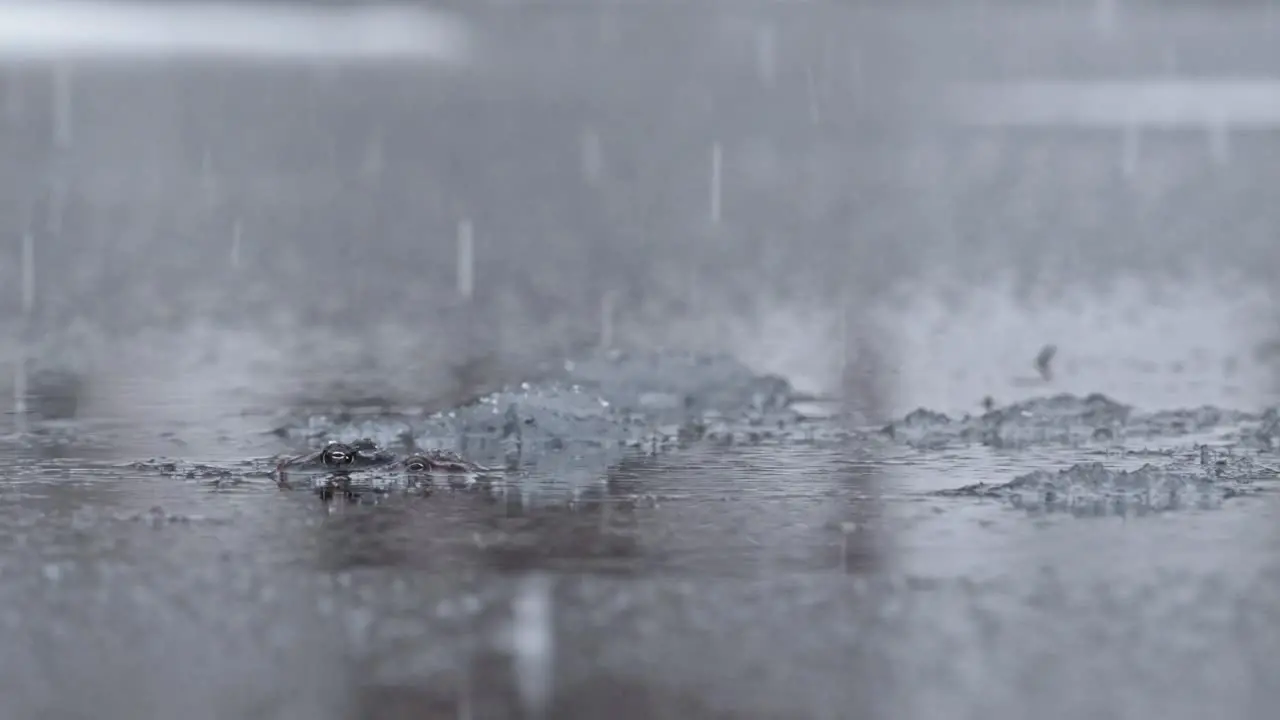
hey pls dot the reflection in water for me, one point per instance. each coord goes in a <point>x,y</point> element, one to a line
<point>726,513</point>
<point>729,511</point>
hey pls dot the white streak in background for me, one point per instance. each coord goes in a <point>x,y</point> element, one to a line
<point>1152,102</point>
<point>466,261</point>
<point>766,53</point>
<point>716,162</point>
<point>62,109</point>
<point>592,156</point>
<point>237,234</point>
<point>59,29</point>
<point>533,644</point>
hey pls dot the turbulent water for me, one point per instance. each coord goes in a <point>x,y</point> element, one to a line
<point>667,535</point>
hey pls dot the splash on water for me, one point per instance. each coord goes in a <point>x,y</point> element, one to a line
<point>1157,347</point>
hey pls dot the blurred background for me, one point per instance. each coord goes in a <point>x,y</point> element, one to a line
<point>775,179</point>
<point>209,210</point>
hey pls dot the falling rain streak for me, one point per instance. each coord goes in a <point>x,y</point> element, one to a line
<point>767,54</point>
<point>608,301</point>
<point>1219,133</point>
<point>592,157</point>
<point>14,99</point>
<point>811,86</point>
<point>28,306</point>
<point>466,260</point>
<point>717,157</point>
<point>62,106</point>
<point>237,234</point>
<point>1132,149</point>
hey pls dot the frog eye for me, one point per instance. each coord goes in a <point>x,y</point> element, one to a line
<point>335,456</point>
<point>416,464</point>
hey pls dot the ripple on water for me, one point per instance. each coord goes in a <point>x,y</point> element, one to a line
<point>867,572</point>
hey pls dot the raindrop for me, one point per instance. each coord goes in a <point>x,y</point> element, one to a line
<point>62,106</point>
<point>1219,134</point>
<point>845,336</point>
<point>237,234</point>
<point>28,275</point>
<point>466,262</point>
<point>855,70</point>
<point>14,99</point>
<point>716,163</point>
<point>766,54</point>
<point>608,301</point>
<point>374,161</point>
<point>57,204</point>
<point>28,305</point>
<point>1132,148</point>
<point>592,159</point>
<point>815,114</point>
<point>20,389</point>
